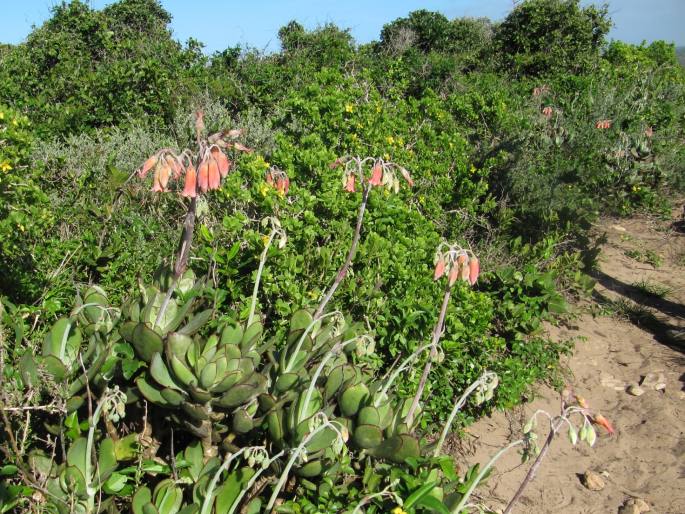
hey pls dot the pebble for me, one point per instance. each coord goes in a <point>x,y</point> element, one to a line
<point>635,390</point>
<point>634,506</point>
<point>593,481</point>
<point>629,508</point>
<point>642,505</point>
<point>656,381</point>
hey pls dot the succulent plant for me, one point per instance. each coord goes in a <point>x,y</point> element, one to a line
<point>76,485</point>
<point>92,321</point>
<point>200,379</point>
<point>217,487</point>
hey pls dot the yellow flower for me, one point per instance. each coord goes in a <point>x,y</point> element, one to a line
<point>265,239</point>
<point>386,156</point>
<point>5,166</point>
<point>2,115</point>
<point>472,169</point>
<point>263,188</point>
<point>390,140</point>
<point>398,510</point>
<point>15,122</point>
<point>349,108</point>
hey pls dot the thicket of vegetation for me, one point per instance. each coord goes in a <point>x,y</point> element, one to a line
<point>127,383</point>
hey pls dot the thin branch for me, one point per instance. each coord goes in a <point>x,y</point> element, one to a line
<point>437,334</point>
<point>342,272</point>
<point>534,468</point>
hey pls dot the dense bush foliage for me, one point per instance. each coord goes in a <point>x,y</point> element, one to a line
<point>85,68</point>
<point>517,136</point>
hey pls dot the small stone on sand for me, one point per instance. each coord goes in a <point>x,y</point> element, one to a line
<point>635,390</point>
<point>593,481</point>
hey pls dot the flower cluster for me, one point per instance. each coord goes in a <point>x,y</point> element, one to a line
<point>457,263</point>
<point>203,172</point>
<point>603,124</point>
<point>278,179</point>
<point>547,112</point>
<point>383,173</point>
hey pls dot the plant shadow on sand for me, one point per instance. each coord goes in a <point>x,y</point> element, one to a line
<point>640,308</point>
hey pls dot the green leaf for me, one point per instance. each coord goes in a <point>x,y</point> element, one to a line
<point>558,305</point>
<point>146,341</point>
<point>115,483</point>
<point>8,470</point>
<point>194,456</point>
<point>422,491</point>
<point>76,455</point>
<point>142,497</point>
<point>300,320</point>
<point>230,488</point>
<point>433,504</point>
<point>107,460</point>
<point>447,466</point>
<point>127,447</point>
<point>197,322</point>
<point>160,373</point>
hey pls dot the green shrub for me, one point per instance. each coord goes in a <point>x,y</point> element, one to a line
<point>544,37</point>
<point>85,68</point>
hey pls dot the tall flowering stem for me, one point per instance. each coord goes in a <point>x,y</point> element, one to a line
<point>382,174</point>
<point>458,264</point>
<point>201,172</point>
<point>570,405</point>
<point>276,231</point>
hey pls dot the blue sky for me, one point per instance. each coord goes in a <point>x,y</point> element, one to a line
<point>220,24</point>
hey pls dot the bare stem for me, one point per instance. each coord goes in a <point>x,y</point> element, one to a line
<point>183,252</point>
<point>457,406</point>
<point>534,468</point>
<point>464,500</point>
<point>262,261</point>
<point>437,334</point>
<point>342,272</point>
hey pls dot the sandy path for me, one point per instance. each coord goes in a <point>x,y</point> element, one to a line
<point>646,456</point>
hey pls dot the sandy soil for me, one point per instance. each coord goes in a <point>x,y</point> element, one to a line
<point>646,457</point>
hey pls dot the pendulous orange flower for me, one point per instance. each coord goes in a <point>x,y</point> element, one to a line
<point>147,166</point>
<point>600,420</point>
<point>190,186</point>
<point>439,269</point>
<point>349,187</point>
<point>203,176</point>
<point>474,270</point>
<point>376,175</point>
<point>214,176</point>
